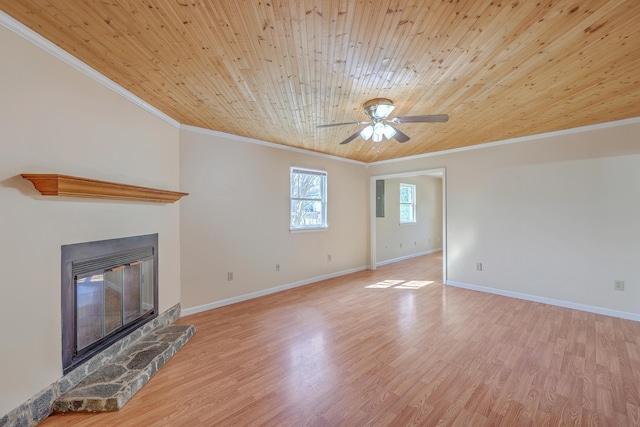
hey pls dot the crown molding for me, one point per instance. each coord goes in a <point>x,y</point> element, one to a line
<point>36,39</point>
<point>31,36</point>
<point>587,128</point>
<point>267,144</point>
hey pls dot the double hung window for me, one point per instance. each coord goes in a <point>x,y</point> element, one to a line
<point>308,199</point>
<point>407,203</point>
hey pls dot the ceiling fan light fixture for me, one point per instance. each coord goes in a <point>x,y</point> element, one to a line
<point>389,132</point>
<point>378,108</point>
<point>383,110</point>
<point>378,129</point>
<point>366,132</point>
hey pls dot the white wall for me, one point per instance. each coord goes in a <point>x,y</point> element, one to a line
<point>237,219</point>
<point>556,217</point>
<point>395,240</point>
<point>54,119</point>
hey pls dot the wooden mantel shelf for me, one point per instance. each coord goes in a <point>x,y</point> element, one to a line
<point>72,186</point>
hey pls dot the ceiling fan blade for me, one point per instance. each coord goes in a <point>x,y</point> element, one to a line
<point>430,118</point>
<point>351,138</point>
<point>342,124</point>
<point>400,136</point>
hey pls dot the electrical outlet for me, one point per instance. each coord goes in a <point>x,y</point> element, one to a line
<point>230,276</point>
<point>478,266</point>
<point>277,267</point>
<point>328,257</point>
<point>618,285</point>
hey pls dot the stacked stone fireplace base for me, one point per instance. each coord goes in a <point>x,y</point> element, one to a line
<point>112,385</point>
<point>108,380</point>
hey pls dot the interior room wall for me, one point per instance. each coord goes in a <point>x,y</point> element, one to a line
<point>554,216</point>
<point>395,241</point>
<point>55,119</point>
<point>237,219</point>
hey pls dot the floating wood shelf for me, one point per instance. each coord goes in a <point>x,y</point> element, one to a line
<point>72,186</point>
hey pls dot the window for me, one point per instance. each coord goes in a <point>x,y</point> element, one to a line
<point>308,199</point>
<point>407,203</point>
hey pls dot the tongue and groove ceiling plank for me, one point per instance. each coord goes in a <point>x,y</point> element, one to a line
<point>274,70</point>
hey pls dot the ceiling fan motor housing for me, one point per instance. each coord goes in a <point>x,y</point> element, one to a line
<point>378,109</point>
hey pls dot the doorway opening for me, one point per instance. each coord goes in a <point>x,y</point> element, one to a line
<point>374,211</point>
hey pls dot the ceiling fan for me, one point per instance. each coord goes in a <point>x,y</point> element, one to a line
<point>378,110</point>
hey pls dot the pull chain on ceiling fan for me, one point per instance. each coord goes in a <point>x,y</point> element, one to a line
<point>379,127</point>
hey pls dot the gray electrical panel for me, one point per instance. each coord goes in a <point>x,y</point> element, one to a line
<point>380,198</point>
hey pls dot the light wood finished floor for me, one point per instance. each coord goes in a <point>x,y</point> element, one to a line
<point>392,347</point>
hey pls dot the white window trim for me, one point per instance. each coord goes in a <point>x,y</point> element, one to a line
<point>323,201</point>
<point>413,204</point>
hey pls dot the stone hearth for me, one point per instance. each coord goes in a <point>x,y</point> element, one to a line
<point>109,379</point>
<point>111,386</point>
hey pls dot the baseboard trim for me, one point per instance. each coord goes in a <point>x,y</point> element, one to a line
<point>550,301</point>
<point>257,294</point>
<point>402,258</point>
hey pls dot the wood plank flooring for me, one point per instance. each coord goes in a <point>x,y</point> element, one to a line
<point>392,347</point>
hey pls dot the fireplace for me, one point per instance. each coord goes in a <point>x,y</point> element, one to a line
<point>109,289</point>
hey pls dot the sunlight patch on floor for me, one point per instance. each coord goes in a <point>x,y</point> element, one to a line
<point>414,284</point>
<point>400,284</point>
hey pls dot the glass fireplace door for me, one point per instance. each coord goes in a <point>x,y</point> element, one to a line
<point>108,301</point>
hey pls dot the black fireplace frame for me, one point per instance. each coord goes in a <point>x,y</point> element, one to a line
<point>86,253</point>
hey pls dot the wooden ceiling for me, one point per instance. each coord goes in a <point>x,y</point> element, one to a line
<point>274,70</point>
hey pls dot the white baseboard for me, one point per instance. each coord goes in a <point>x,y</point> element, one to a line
<point>240,298</point>
<point>550,301</point>
<point>402,258</point>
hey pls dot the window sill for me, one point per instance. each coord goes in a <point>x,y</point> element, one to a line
<point>307,230</point>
